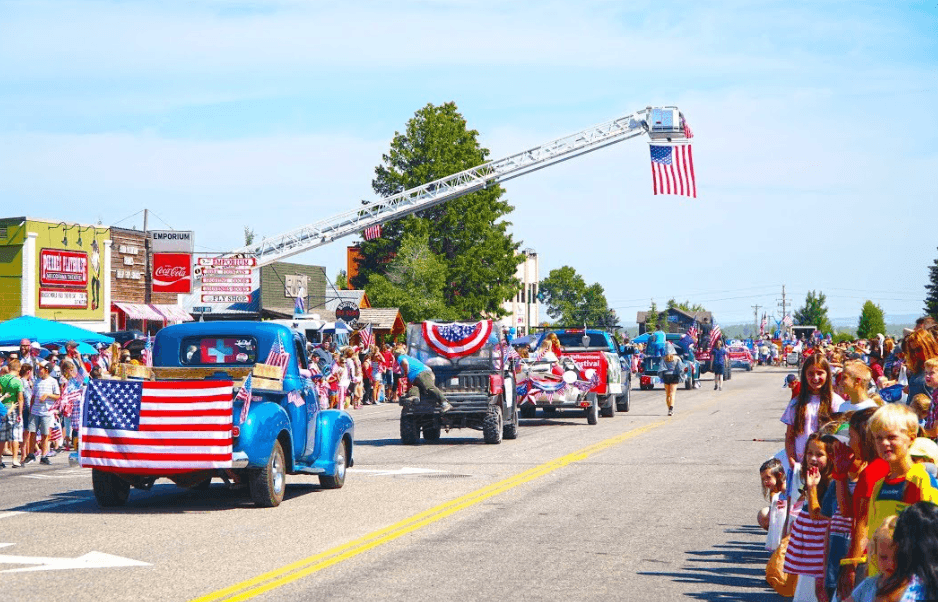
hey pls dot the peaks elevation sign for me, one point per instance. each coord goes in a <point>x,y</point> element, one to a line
<point>348,312</point>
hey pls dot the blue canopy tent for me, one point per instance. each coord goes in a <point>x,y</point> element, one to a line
<point>46,331</point>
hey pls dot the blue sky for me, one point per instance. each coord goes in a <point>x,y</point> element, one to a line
<point>814,129</point>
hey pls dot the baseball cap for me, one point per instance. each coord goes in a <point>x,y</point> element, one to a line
<point>35,345</point>
<point>924,448</point>
<point>842,434</point>
<point>788,380</point>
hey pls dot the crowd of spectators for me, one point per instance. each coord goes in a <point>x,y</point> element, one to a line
<point>852,509</point>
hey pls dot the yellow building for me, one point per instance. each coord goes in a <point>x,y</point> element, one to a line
<point>55,270</point>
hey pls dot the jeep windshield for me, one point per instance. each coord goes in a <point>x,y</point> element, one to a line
<point>419,348</point>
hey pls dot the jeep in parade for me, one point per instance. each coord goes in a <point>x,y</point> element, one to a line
<point>468,366</point>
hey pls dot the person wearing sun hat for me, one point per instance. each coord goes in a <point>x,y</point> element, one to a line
<point>925,451</point>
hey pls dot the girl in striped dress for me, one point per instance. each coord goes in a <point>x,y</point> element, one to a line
<point>805,555</point>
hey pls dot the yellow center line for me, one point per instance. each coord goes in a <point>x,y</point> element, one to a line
<point>307,566</point>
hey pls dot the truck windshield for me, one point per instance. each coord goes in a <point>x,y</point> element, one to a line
<point>210,351</point>
<point>575,339</point>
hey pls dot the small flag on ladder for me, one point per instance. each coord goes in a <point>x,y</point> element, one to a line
<point>372,232</point>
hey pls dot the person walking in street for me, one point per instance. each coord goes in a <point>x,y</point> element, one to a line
<point>421,378</point>
<point>670,373</point>
<point>718,364</point>
<point>41,415</point>
<point>11,422</point>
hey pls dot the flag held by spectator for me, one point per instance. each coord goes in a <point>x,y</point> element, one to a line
<point>367,337</point>
<point>156,427</point>
<point>672,170</point>
<point>372,232</point>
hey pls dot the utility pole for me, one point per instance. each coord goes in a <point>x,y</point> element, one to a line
<point>783,304</point>
<point>147,284</point>
<point>755,322</point>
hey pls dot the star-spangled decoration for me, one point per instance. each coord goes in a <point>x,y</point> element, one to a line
<point>120,409</point>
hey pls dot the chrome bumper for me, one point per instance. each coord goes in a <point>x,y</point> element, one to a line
<point>239,459</point>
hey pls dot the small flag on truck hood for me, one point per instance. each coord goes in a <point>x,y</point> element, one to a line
<point>156,427</point>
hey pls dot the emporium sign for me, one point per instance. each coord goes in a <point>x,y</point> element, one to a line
<point>227,279</point>
<point>171,241</point>
<point>63,268</point>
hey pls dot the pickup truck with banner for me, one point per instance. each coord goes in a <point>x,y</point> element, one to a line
<point>597,351</point>
<point>230,400</point>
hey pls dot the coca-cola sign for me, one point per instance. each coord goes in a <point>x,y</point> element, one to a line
<point>172,273</point>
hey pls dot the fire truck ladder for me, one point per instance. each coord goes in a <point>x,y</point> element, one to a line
<point>660,123</point>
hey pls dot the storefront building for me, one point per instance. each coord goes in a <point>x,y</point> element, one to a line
<point>131,307</point>
<point>56,271</point>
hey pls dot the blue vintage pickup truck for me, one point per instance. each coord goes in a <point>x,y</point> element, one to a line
<point>285,431</point>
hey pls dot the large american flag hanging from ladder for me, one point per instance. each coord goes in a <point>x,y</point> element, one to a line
<point>672,170</point>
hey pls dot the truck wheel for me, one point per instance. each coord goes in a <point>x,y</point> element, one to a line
<point>492,425</point>
<point>592,412</point>
<point>268,484</point>
<point>341,463</point>
<point>528,410</point>
<point>409,431</point>
<point>431,434</point>
<point>109,489</point>
<point>608,407</point>
<point>511,427</point>
<point>624,401</point>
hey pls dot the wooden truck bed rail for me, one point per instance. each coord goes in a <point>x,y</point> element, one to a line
<point>266,377</point>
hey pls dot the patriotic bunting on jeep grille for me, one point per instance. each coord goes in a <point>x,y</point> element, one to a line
<point>457,339</point>
<point>372,232</point>
<point>156,427</point>
<point>672,170</point>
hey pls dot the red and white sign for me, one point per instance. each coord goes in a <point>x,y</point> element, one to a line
<point>58,267</point>
<point>64,298</point>
<point>172,273</point>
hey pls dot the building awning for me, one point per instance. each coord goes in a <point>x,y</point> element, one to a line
<point>172,313</point>
<point>139,311</point>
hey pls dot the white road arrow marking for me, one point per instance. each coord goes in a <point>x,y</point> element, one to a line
<point>406,470</point>
<point>91,560</point>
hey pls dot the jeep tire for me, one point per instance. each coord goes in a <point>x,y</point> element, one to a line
<point>510,430</point>
<point>409,431</point>
<point>492,425</point>
<point>431,434</point>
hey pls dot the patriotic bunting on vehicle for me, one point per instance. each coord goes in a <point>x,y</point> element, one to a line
<point>296,398</point>
<point>457,339</point>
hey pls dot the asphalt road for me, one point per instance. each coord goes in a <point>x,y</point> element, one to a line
<point>639,507</point>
